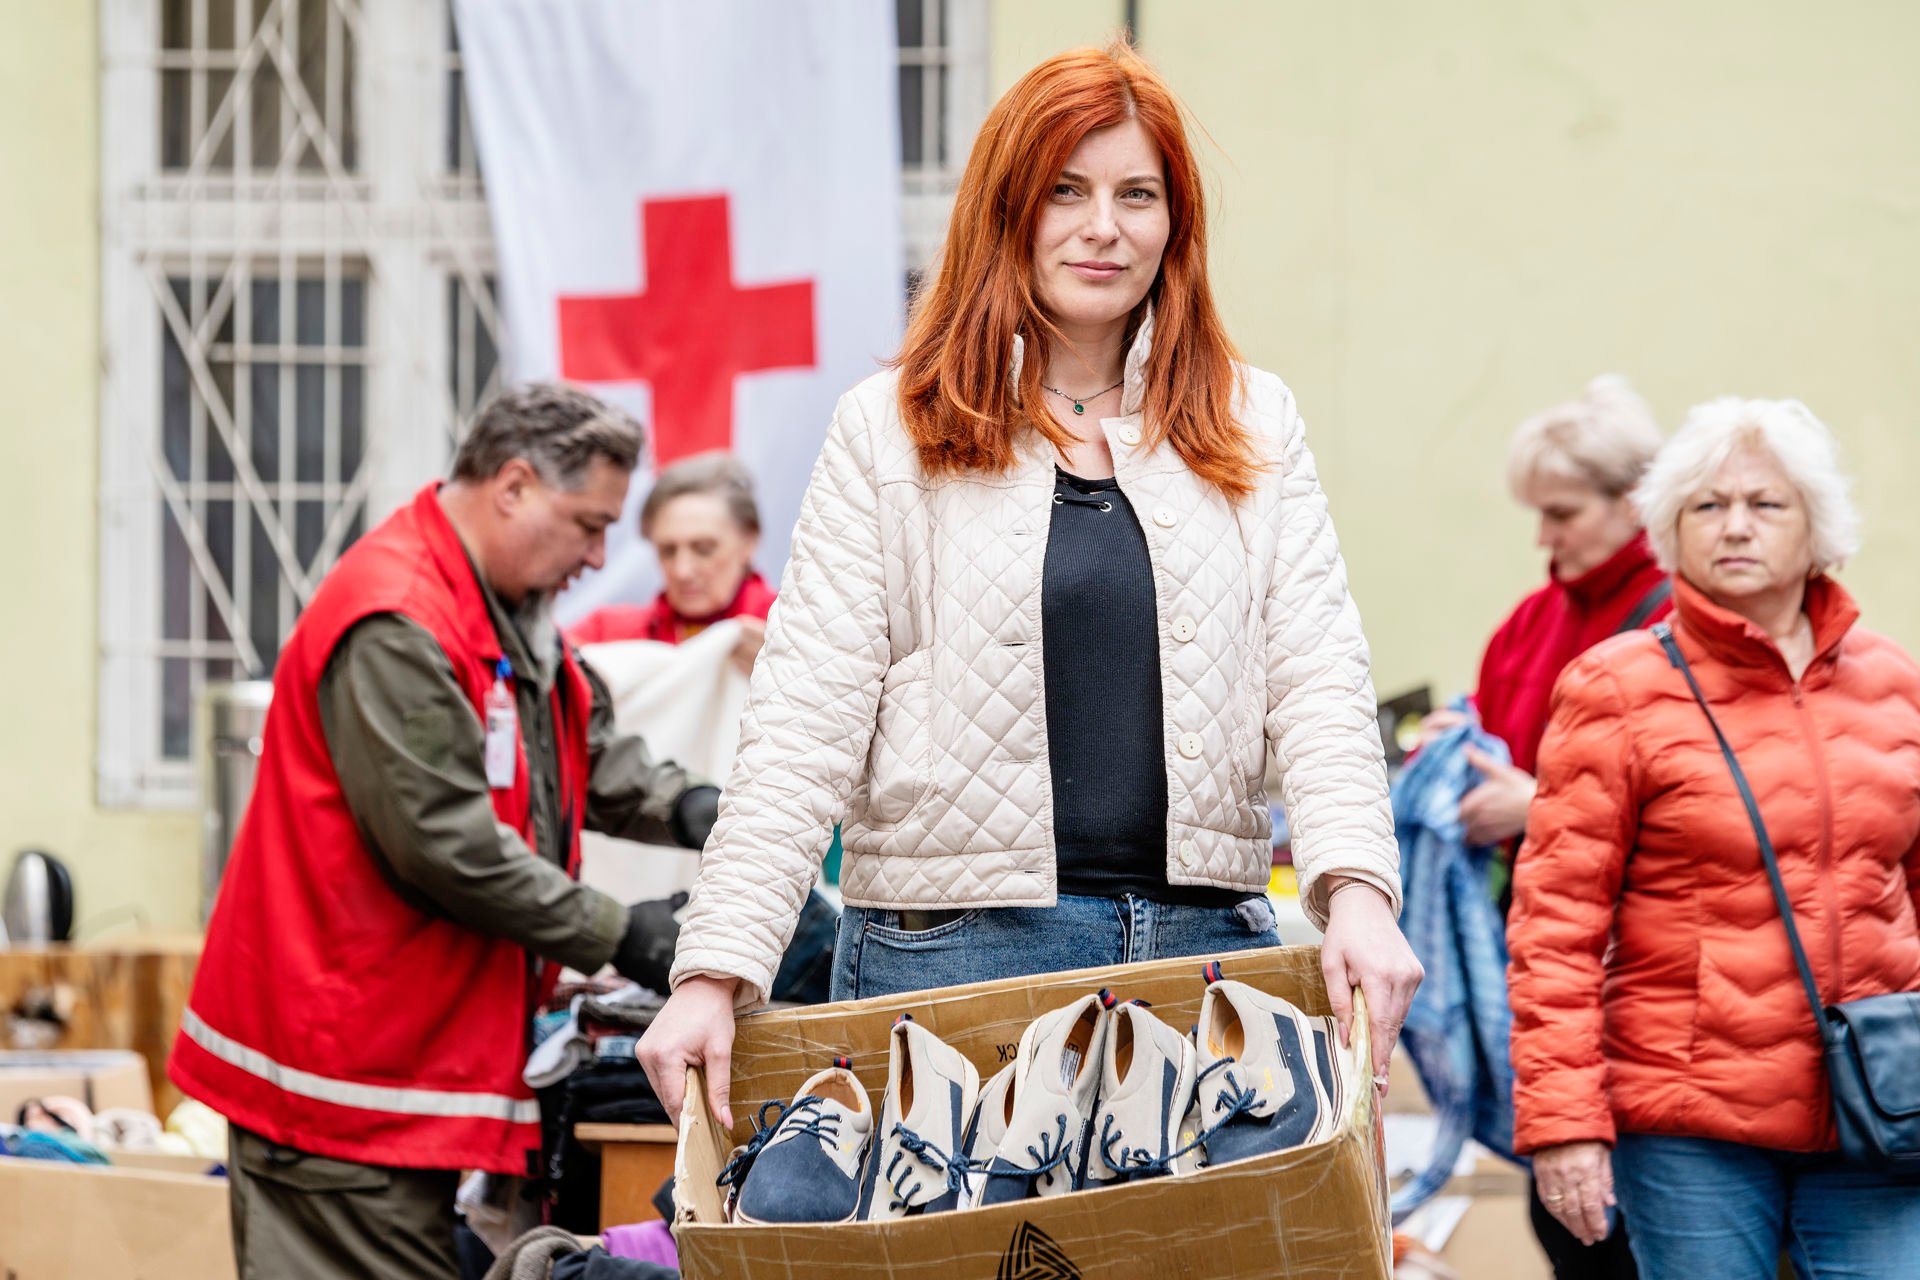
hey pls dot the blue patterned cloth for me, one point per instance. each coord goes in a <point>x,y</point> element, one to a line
<point>1459,1024</point>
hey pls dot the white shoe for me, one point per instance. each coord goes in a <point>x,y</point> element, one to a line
<point>918,1164</point>
<point>805,1166</point>
<point>1056,1079</point>
<point>1259,1088</point>
<point>1146,1090</point>
<point>988,1129</point>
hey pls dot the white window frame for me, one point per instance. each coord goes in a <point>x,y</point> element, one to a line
<point>927,189</point>
<point>413,223</point>
<point>400,214</point>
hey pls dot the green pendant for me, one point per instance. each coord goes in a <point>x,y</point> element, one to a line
<point>1078,407</point>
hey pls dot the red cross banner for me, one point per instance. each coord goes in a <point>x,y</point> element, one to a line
<point>696,208</point>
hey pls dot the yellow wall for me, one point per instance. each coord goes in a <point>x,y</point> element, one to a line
<point>1431,219</point>
<point>1434,219</point>
<point>49,523</point>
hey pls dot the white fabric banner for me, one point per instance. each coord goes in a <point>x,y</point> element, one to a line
<point>697,213</point>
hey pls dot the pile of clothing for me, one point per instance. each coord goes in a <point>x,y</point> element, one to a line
<point>584,1071</point>
<point>549,1253</point>
<point>61,1128</point>
<point>1102,1092</point>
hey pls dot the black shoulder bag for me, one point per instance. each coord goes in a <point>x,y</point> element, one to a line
<point>1871,1046</point>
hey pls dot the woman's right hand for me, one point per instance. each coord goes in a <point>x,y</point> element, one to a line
<point>1576,1185</point>
<point>694,1028</point>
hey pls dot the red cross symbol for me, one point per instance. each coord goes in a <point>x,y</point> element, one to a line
<point>692,332</point>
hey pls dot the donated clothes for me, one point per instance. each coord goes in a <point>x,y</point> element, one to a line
<point>1458,1025</point>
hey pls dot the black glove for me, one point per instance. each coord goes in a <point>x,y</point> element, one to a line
<point>645,953</point>
<point>694,814</point>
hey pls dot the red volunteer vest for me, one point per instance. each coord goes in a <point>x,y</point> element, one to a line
<point>328,1014</point>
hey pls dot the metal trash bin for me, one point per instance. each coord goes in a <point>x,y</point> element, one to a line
<point>232,719</point>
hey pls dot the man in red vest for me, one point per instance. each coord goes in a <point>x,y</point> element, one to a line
<point>402,892</point>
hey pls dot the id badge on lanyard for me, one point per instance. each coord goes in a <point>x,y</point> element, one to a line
<point>503,730</point>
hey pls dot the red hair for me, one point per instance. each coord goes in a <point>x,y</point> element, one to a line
<point>959,406</point>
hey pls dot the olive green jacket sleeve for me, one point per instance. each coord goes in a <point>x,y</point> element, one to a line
<point>409,750</point>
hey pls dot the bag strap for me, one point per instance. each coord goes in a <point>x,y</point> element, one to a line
<point>1655,597</point>
<point>1664,634</point>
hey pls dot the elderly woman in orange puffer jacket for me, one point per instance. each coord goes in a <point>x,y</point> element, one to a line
<point>1657,1010</point>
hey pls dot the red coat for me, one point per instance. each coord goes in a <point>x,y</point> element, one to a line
<point>658,621</point>
<point>327,1013</point>
<point>1550,628</point>
<point>1653,988</point>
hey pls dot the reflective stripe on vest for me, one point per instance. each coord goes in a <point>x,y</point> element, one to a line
<point>368,1097</point>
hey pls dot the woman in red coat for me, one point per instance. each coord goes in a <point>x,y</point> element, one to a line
<point>1657,1009</point>
<point>705,526</point>
<point>1575,464</point>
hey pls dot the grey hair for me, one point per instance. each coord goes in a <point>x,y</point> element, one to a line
<point>718,473</point>
<point>1604,439</point>
<point>1714,432</point>
<point>557,430</point>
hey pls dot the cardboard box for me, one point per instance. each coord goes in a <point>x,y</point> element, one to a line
<point>86,1222</point>
<point>101,1078</point>
<point>1318,1211</point>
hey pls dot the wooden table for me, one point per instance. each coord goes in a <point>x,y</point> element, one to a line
<point>128,995</point>
<point>634,1160</point>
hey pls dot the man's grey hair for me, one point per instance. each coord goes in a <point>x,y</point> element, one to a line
<point>1714,432</point>
<point>718,473</point>
<point>558,430</point>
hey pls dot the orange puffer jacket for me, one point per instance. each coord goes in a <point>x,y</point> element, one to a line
<point>1653,988</point>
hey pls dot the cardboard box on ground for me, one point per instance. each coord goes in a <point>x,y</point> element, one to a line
<point>85,1222</point>
<point>1312,1214</point>
<point>152,1215</point>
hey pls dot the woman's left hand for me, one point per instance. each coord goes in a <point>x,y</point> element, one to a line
<point>1496,811</point>
<point>1364,948</point>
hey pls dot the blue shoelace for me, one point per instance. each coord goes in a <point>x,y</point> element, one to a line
<point>1234,1100</point>
<point>955,1169</point>
<point>815,1124</point>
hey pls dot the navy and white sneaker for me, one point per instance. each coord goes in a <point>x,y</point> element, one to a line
<point>988,1129</point>
<point>1055,1083</point>
<point>919,1162</point>
<point>1146,1088</point>
<point>1258,1089</point>
<point>804,1165</point>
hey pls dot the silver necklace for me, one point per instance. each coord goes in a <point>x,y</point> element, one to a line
<point>1080,402</point>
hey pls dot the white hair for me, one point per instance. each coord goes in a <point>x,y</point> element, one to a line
<point>1718,429</point>
<point>1605,439</point>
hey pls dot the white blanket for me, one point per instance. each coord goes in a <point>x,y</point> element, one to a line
<point>685,700</point>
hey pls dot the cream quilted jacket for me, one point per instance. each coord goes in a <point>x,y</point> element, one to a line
<point>899,691</point>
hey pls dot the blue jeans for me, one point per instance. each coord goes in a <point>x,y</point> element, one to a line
<point>876,957</point>
<point>1700,1209</point>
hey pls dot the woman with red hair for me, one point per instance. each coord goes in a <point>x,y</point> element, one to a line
<point>1064,576</point>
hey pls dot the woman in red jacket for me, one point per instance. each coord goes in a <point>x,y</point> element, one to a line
<point>704,525</point>
<point>1575,464</point>
<point>1657,1010</point>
